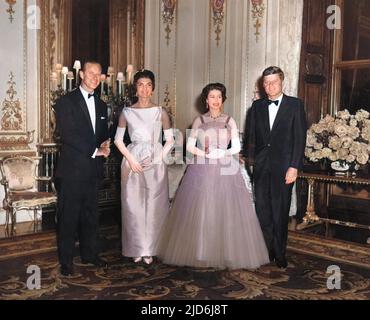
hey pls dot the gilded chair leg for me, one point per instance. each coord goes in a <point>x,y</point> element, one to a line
<point>7,214</point>
<point>7,217</point>
<point>35,222</point>
<point>14,221</point>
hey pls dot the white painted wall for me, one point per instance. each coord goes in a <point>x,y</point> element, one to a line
<point>192,58</point>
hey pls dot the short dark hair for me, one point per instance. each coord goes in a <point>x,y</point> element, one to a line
<point>209,87</point>
<point>144,74</point>
<point>91,62</point>
<point>273,70</point>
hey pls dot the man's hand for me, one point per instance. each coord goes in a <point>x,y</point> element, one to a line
<point>105,144</point>
<point>291,175</point>
<point>104,149</point>
<point>103,152</point>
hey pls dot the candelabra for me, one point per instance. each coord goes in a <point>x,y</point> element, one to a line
<point>117,92</point>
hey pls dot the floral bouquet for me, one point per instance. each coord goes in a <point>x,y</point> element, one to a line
<point>343,139</point>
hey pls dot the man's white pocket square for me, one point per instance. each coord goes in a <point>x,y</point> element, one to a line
<point>102,118</point>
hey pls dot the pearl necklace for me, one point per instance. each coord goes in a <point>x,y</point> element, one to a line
<point>216,117</point>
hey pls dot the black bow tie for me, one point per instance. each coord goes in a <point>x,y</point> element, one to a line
<point>274,101</point>
<point>90,95</point>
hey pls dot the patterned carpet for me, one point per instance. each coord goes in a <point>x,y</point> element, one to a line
<point>304,279</point>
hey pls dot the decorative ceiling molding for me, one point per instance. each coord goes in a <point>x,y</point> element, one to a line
<point>10,10</point>
<point>168,14</point>
<point>258,10</point>
<point>218,17</point>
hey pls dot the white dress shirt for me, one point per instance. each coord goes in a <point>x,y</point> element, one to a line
<point>91,107</point>
<point>273,110</point>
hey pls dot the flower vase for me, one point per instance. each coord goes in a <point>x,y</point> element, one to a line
<point>342,168</point>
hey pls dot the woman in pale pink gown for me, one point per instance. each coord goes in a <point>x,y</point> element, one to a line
<point>144,177</point>
<point>212,222</point>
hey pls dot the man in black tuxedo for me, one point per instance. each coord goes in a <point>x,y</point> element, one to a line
<point>273,146</point>
<point>82,124</point>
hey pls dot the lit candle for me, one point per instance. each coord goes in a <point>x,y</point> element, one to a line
<point>108,81</point>
<point>64,73</point>
<point>70,77</point>
<point>129,71</point>
<point>54,80</point>
<point>58,69</point>
<point>110,72</point>
<point>77,67</point>
<point>102,80</point>
<point>120,79</point>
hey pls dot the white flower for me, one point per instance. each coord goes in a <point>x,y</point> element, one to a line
<point>344,137</point>
<point>353,122</point>
<point>361,115</point>
<point>341,130</point>
<point>345,115</point>
<point>335,142</point>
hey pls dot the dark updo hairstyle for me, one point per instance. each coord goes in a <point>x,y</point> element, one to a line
<point>144,74</point>
<point>209,87</point>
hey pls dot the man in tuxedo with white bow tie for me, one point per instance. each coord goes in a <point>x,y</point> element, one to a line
<point>273,146</point>
<point>82,124</point>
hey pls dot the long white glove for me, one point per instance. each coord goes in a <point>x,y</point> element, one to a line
<point>170,141</point>
<point>216,154</point>
<point>119,134</point>
<point>235,147</point>
<point>190,146</point>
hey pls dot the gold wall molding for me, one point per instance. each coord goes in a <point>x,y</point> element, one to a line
<point>167,103</point>
<point>47,48</point>
<point>13,143</point>
<point>168,14</point>
<point>218,17</point>
<point>12,119</point>
<point>258,10</point>
<point>10,10</point>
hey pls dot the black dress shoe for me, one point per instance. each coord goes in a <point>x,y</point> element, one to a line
<point>96,263</point>
<point>281,263</point>
<point>66,270</point>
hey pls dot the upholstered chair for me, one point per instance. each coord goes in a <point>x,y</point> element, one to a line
<point>19,178</point>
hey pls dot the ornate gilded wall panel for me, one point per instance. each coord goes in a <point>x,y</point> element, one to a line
<point>14,137</point>
<point>258,10</point>
<point>218,17</point>
<point>168,15</point>
<point>10,10</point>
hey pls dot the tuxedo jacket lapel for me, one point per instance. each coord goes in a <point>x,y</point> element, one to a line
<point>265,117</point>
<point>82,103</point>
<point>97,117</point>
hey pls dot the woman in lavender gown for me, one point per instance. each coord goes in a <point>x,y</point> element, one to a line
<point>144,177</point>
<point>212,222</point>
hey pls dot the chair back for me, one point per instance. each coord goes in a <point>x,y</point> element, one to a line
<point>19,172</point>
